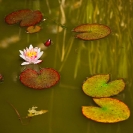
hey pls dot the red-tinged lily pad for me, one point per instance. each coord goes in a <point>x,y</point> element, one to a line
<point>17,16</point>
<point>98,86</point>
<point>92,31</point>
<point>33,29</point>
<point>110,110</point>
<point>45,78</point>
<point>1,77</point>
<point>26,17</point>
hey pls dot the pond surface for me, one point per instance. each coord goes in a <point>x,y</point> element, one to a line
<point>74,59</point>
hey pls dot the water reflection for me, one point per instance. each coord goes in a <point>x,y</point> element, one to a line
<point>8,41</point>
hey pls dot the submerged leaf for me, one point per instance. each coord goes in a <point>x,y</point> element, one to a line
<point>110,111</point>
<point>46,78</point>
<point>92,31</point>
<point>26,17</point>
<point>98,86</point>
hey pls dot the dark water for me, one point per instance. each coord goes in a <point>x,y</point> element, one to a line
<point>74,59</point>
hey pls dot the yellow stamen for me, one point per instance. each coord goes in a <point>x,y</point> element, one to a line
<point>31,53</point>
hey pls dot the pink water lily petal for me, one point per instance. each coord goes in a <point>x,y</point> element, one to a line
<point>21,52</point>
<point>23,57</point>
<point>38,50</point>
<point>30,47</point>
<point>25,63</point>
<point>39,55</point>
<point>38,61</point>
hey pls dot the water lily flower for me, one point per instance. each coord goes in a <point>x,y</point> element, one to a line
<point>31,55</point>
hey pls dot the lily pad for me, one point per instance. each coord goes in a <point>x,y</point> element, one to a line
<point>33,29</point>
<point>92,31</point>
<point>110,111</point>
<point>98,86</point>
<point>45,78</point>
<point>17,16</point>
<point>26,17</point>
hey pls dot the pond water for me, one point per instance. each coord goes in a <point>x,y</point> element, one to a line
<point>74,59</point>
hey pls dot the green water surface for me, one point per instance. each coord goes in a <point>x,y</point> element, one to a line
<point>74,59</point>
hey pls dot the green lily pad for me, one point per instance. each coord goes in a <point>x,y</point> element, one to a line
<point>33,29</point>
<point>45,78</point>
<point>110,111</point>
<point>26,17</point>
<point>98,86</point>
<point>92,31</point>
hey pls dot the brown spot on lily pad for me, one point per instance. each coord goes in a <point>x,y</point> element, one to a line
<point>92,31</point>
<point>45,78</point>
<point>26,17</point>
<point>110,111</point>
<point>98,86</point>
<point>33,29</point>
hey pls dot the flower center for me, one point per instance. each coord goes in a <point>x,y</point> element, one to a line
<point>31,54</point>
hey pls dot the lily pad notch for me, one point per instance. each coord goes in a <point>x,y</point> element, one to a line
<point>92,31</point>
<point>45,78</point>
<point>99,86</point>
<point>25,18</point>
<point>109,110</point>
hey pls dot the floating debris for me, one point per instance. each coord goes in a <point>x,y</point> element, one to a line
<point>33,29</point>
<point>26,17</point>
<point>48,43</point>
<point>46,78</point>
<point>92,31</point>
<point>33,112</point>
<point>110,111</point>
<point>98,86</point>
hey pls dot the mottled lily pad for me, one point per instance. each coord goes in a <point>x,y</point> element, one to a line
<point>98,86</point>
<point>33,29</point>
<point>26,17</point>
<point>17,16</point>
<point>45,78</point>
<point>110,111</point>
<point>92,31</point>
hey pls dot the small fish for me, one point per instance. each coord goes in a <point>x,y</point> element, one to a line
<point>48,43</point>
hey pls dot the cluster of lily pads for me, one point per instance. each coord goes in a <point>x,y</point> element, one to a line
<point>26,18</point>
<point>109,110</point>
